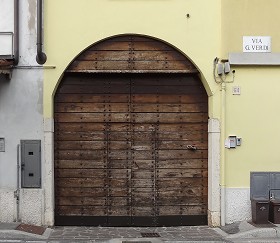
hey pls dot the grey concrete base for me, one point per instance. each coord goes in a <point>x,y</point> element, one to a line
<point>8,226</point>
<point>7,231</point>
<point>239,232</point>
<point>256,233</point>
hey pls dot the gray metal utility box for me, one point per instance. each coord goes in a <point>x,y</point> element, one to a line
<point>274,211</point>
<point>265,197</point>
<point>260,211</point>
<point>30,163</point>
<point>259,195</point>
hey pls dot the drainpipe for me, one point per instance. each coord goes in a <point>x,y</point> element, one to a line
<point>16,32</point>
<point>17,192</point>
<point>223,155</point>
<point>41,57</point>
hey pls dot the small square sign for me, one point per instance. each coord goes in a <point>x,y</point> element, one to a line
<point>236,90</point>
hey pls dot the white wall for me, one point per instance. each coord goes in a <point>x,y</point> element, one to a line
<point>21,112</point>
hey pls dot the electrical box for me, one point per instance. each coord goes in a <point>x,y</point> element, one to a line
<point>30,163</point>
<point>265,185</point>
<point>259,185</point>
<point>232,141</point>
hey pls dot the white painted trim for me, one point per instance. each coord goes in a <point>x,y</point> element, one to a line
<point>48,180</point>
<point>214,194</point>
<point>263,59</point>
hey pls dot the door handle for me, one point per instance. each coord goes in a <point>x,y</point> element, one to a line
<point>191,147</point>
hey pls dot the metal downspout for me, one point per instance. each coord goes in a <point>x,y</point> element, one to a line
<point>223,155</point>
<point>16,32</point>
<point>41,57</point>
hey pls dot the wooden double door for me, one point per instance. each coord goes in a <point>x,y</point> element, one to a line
<point>131,150</point>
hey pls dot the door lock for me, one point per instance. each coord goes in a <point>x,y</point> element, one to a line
<point>191,147</point>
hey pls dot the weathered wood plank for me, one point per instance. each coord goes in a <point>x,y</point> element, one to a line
<point>97,79</point>
<point>142,183</point>
<point>118,211</point>
<point>80,192</point>
<point>81,173</point>
<point>174,210</point>
<point>125,154</point>
<point>91,117</point>
<point>118,163</point>
<point>93,89</point>
<point>107,137</point>
<point>197,191</point>
<point>81,211</point>
<point>163,80</point>
<point>185,182</point>
<point>127,45</point>
<point>168,117</point>
<point>79,127</point>
<point>174,173</point>
<point>82,145</point>
<point>81,164</point>
<point>82,201</point>
<point>119,155</point>
<point>143,211</point>
<point>133,80</point>
<point>182,163</point>
<point>181,200</point>
<point>119,173</point>
<point>130,65</point>
<point>163,108</point>
<point>93,127</point>
<point>92,107</point>
<point>142,201</point>
<point>179,144</point>
<point>91,183</point>
<point>167,89</point>
<point>80,136</point>
<point>124,107</point>
<point>118,201</point>
<point>182,154</point>
<point>80,154</point>
<point>94,98</point>
<point>201,137</point>
<point>142,174</point>
<point>126,55</point>
<point>131,163</point>
<point>169,98</point>
<point>183,127</point>
<point>136,98</point>
<point>123,127</point>
<point>119,191</point>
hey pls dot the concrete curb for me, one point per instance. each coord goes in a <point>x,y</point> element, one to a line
<point>17,234</point>
<point>255,233</point>
<point>120,240</point>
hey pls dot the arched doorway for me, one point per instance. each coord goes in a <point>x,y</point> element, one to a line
<point>131,137</point>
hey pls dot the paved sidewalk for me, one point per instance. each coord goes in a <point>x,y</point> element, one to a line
<point>238,232</point>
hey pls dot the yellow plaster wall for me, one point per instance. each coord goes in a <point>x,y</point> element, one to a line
<point>214,29</point>
<point>249,18</point>
<point>71,26</point>
<point>254,114</point>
